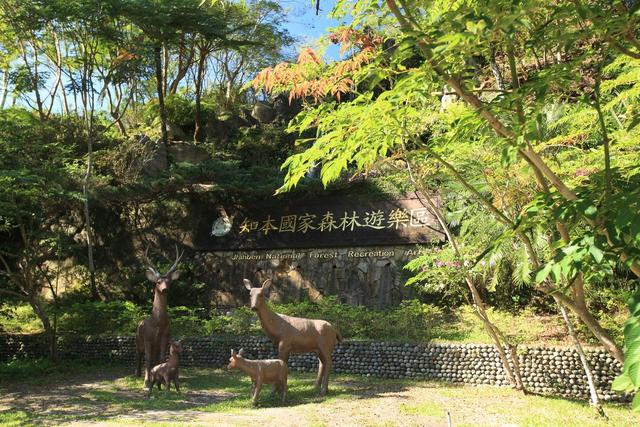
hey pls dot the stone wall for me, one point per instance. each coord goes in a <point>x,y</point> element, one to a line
<point>371,276</point>
<point>546,370</point>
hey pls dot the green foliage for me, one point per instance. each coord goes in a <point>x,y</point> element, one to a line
<point>463,94</point>
<point>34,169</point>
<point>265,144</point>
<point>99,318</point>
<point>19,319</point>
<point>180,111</point>
<point>21,369</point>
<point>411,321</point>
<point>629,380</point>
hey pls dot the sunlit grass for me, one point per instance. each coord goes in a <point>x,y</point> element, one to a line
<point>14,418</point>
<point>428,409</point>
<point>22,320</point>
<point>209,393</point>
<point>549,411</point>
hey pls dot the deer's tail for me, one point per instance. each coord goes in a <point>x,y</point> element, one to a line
<point>338,336</point>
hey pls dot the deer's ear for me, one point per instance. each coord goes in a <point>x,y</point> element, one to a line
<point>241,352</point>
<point>151,276</point>
<point>233,353</point>
<point>247,284</point>
<point>266,284</point>
<point>175,275</point>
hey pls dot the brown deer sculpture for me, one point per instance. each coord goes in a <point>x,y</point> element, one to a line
<point>270,371</point>
<point>296,335</point>
<point>152,335</point>
<point>169,371</point>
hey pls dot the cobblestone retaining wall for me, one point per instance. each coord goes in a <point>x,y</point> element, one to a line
<point>545,370</point>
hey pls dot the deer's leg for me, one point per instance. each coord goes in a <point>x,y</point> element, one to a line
<point>256,392</point>
<point>321,367</point>
<point>323,374</point>
<point>167,381</point>
<point>283,352</point>
<point>148,363</point>
<point>284,388</point>
<point>177,384</point>
<point>162,349</point>
<point>139,350</point>
<point>138,363</point>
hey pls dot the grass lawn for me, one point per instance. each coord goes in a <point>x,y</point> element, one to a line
<point>107,395</point>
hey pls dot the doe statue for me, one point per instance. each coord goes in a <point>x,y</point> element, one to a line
<point>270,371</point>
<point>169,371</point>
<point>152,335</point>
<point>296,335</point>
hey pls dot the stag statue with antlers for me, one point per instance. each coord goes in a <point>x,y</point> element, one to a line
<point>152,335</point>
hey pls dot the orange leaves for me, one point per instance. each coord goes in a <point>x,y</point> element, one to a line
<point>347,37</point>
<point>310,78</point>
<point>308,56</point>
<point>123,56</point>
<point>342,86</point>
<point>354,63</point>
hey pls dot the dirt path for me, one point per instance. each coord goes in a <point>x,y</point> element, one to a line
<point>217,398</point>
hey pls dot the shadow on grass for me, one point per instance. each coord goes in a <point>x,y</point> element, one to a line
<point>113,394</point>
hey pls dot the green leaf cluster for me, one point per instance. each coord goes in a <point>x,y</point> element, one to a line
<point>629,380</point>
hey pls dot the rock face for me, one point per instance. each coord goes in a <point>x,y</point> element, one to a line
<point>263,113</point>
<point>176,133</point>
<point>286,110</point>
<point>361,276</point>
<point>545,370</point>
<point>188,152</point>
<point>157,162</point>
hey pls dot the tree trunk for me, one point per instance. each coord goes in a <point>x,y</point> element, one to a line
<point>198,134</point>
<point>595,401</point>
<point>87,96</point>
<point>86,182</point>
<point>5,88</point>
<point>512,370</point>
<point>160,88</point>
<point>50,331</point>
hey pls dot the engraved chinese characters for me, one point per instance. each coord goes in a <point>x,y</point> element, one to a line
<point>322,223</point>
<point>329,222</point>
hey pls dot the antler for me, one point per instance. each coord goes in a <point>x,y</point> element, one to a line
<point>175,264</point>
<point>150,266</point>
<point>153,268</point>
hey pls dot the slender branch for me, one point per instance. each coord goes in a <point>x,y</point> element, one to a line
<point>605,139</point>
<point>624,50</point>
<point>14,294</point>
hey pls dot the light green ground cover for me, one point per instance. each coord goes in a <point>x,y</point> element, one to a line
<point>432,325</point>
<point>107,395</point>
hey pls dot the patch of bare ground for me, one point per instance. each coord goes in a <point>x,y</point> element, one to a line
<point>218,398</point>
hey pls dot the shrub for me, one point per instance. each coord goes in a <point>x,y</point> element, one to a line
<point>100,318</point>
<point>409,321</point>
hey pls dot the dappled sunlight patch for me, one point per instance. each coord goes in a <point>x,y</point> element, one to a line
<point>12,418</point>
<point>429,409</point>
<point>219,397</point>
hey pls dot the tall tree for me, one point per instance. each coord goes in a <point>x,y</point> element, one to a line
<point>35,192</point>
<point>436,52</point>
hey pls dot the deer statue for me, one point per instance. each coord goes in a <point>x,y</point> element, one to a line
<point>296,335</point>
<point>270,371</point>
<point>152,335</point>
<point>168,371</point>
